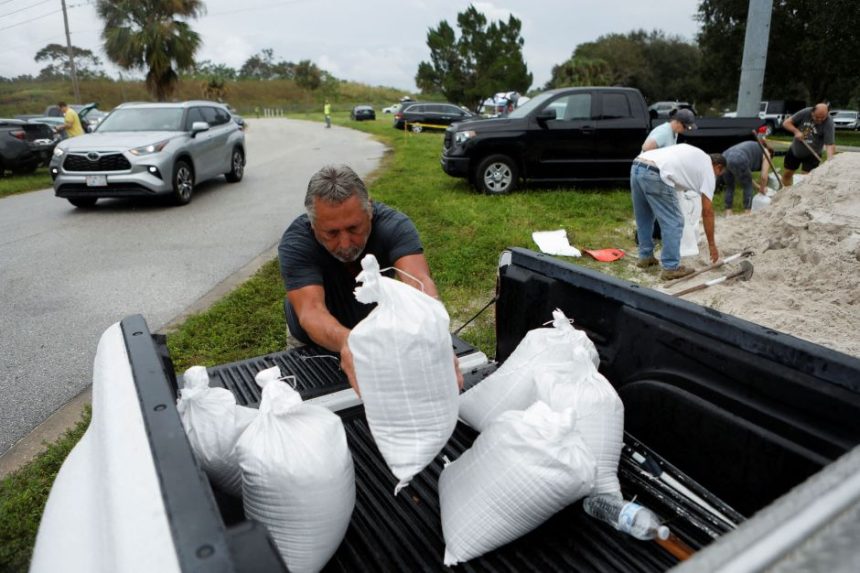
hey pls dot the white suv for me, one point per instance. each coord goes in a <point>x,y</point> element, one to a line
<point>148,149</point>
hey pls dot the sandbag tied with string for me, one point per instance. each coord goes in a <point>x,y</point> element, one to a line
<point>511,387</point>
<point>404,368</point>
<point>297,474</point>
<point>213,423</point>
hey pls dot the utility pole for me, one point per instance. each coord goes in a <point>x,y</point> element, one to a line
<point>71,55</point>
<point>755,57</point>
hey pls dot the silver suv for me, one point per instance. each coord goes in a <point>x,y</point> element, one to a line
<point>148,149</point>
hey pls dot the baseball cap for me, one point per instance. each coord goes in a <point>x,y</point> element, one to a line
<point>686,117</point>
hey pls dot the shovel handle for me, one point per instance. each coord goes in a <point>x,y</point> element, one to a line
<point>769,160</point>
<point>812,151</point>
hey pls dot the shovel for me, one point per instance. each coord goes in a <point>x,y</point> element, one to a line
<point>744,273</point>
<point>812,151</point>
<point>769,160</point>
<point>742,255</point>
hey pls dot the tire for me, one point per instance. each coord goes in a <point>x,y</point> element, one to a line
<point>27,169</point>
<point>416,128</point>
<point>496,175</point>
<point>237,166</point>
<point>183,182</point>
<point>83,202</point>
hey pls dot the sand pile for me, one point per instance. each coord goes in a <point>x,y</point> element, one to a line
<point>807,259</point>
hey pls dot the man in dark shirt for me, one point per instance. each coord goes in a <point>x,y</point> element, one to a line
<point>320,255</point>
<point>813,132</point>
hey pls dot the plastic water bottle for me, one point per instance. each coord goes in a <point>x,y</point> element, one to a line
<point>626,516</point>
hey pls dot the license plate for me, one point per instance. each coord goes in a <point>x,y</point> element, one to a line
<point>96,180</point>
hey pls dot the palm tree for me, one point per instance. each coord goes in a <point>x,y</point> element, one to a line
<point>148,35</point>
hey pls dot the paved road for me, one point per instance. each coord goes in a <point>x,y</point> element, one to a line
<point>67,274</point>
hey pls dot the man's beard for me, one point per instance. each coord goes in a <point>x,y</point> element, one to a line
<point>348,255</point>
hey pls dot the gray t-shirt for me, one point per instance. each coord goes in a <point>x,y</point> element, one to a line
<point>304,261</point>
<point>816,135</point>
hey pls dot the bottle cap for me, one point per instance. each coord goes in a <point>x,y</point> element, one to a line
<point>663,532</point>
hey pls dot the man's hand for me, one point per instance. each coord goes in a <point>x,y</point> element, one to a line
<point>798,134</point>
<point>715,254</point>
<point>459,374</point>
<point>348,366</point>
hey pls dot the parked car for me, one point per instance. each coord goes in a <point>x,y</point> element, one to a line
<point>419,116</point>
<point>845,119</point>
<point>579,134</point>
<point>89,115</point>
<point>396,107</point>
<point>362,112</point>
<point>665,109</point>
<point>24,145</point>
<point>148,149</point>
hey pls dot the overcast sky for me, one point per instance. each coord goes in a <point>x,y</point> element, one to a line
<point>378,42</point>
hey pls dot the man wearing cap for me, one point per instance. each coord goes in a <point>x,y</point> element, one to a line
<point>655,179</point>
<point>814,127</point>
<point>666,134</point>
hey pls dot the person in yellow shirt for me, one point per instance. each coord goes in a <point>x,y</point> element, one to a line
<point>327,113</point>
<point>72,123</point>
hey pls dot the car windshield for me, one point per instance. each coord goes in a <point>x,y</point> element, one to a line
<point>143,119</point>
<point>530,105</point>
<point>846,114</point>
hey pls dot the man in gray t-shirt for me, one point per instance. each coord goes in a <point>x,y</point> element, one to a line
<point>813,130</point>
<point>320,255</point>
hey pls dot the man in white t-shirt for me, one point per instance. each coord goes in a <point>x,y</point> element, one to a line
<point>655,177</point>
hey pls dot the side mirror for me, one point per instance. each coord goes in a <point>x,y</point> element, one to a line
<point>546,114</point>
<point>198,126</point>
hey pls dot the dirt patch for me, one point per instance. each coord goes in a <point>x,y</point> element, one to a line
<point>807,259</point>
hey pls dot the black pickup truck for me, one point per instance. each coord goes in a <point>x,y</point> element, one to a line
<point>735,413</point>
<point>583,134</point>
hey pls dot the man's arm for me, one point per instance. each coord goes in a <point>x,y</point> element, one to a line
<point>322,327</point>
<point>415,268</point>
<point>708,221</point>
<point>649,144</point>
<point>765,169</point>
<point>831,151</point>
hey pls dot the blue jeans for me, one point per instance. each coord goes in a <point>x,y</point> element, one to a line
<point>653,199</point>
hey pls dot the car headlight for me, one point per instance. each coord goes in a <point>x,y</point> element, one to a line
<point>149,149</point>
<point>462,137</point>
<point>58,152</point>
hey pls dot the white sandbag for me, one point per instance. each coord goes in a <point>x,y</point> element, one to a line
<point>511,387</point>
<point>691,207</point>
<point>525,467</point>
<point>760,202</point>
<point>213,422</point>
<point>404,367</point>
<point>599,414</point>
<point>297,476</point>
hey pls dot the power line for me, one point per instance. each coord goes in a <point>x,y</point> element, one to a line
<point>27,8</point>
<point>32,19</point>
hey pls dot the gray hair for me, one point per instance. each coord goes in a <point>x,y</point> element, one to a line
<point>718,159</point>
<point>335,184</point>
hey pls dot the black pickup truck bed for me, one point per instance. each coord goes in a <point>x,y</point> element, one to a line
<point>744,411</point>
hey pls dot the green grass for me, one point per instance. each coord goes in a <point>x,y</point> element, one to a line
<point>23,495</point>
<point>13,184</point>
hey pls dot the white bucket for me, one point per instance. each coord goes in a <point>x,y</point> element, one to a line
<point>760,201</point>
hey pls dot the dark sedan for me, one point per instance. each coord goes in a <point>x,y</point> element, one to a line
<point>24,145</point>
<point>362,112</point>
<point>420,116</point>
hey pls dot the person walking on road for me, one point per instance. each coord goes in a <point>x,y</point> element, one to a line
<point>327,113</point>
<point>71,122</point>
<point>741,160</point>
<point>656,176</point>
<point>813,130</point>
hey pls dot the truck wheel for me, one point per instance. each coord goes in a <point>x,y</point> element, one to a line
<point>83,202</point>
<point>183,182</point>
<point>416,128</point>
<point>237,166</point>
<point>496,175</point>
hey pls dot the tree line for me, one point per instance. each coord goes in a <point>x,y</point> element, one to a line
<point>811,54</point>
